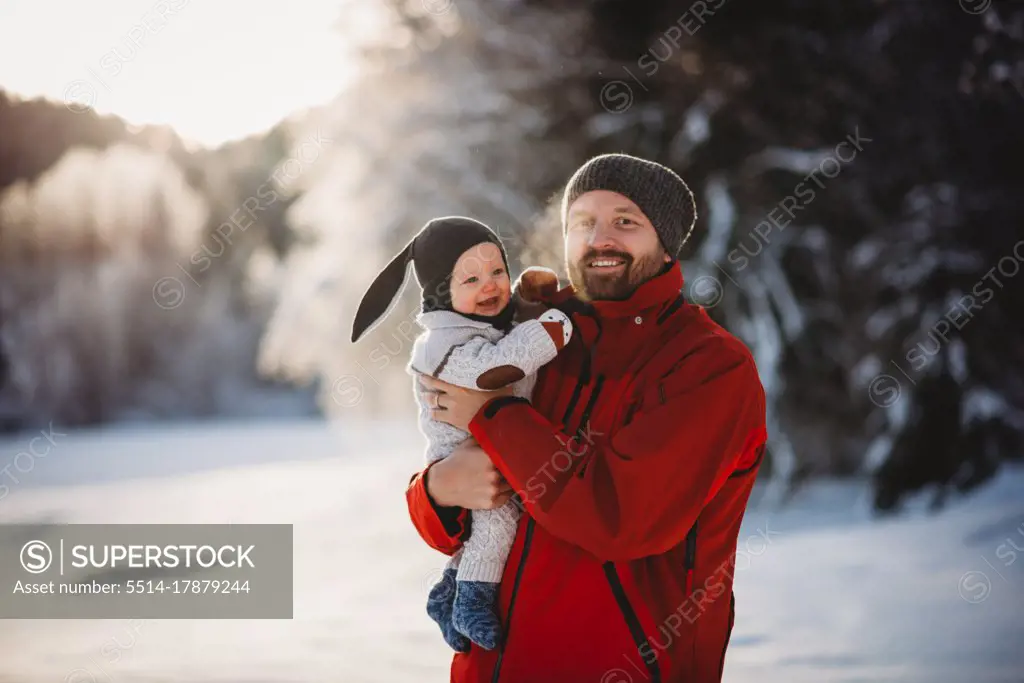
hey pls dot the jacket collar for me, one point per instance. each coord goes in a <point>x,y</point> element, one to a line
<point>436,320</point>
<point>660,291</point>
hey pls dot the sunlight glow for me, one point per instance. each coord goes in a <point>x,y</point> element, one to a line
<point>215,70</point>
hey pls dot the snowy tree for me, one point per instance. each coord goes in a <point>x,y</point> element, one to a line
<point>843,156</point>
<point>99,321</point>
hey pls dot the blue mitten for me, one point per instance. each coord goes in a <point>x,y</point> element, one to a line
<point>439,608</point>
<point>475,613</point>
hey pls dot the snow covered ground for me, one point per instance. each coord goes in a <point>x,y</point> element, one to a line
<point>824,593</point>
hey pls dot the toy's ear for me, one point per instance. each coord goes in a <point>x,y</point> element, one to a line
<point>381,293</point>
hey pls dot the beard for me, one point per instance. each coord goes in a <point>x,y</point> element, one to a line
<point>591,285</point>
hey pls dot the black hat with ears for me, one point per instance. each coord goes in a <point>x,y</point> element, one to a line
<point>434,251</point>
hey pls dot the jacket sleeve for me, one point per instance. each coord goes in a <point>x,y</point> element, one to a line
<point>483,364</point>
<point>443,528</point>
<point>644,485</point>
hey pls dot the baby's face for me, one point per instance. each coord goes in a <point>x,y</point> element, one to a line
<point>480,282</point>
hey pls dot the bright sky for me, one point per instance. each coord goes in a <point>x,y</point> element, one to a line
<point>216,70</point>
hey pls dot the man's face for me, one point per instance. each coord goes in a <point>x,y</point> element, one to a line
<point>611,247</point>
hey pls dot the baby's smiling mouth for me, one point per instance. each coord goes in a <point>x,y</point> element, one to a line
<point>489,303</point>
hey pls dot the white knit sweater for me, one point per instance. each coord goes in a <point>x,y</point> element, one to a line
<point>475,355</point>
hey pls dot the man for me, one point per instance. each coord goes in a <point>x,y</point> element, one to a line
<point>634,460</point>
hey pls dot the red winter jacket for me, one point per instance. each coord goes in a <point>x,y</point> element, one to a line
<point>634,462</point>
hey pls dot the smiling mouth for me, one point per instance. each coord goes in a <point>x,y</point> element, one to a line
<point>489,303</point>
<point>606,264</point>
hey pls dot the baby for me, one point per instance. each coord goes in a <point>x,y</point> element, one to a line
<point>470,339</point>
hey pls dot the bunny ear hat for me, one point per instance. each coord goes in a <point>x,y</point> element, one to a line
<point>434,251</point>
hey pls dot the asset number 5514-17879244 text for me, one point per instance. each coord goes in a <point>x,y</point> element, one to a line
<point>187,586</point>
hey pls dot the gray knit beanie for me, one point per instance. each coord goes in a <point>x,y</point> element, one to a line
<point>659,192</point>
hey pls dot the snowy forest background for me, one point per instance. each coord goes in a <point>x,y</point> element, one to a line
<point>143,277</point>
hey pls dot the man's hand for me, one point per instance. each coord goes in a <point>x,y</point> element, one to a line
<point>455,405</point>
<point>468,479</point>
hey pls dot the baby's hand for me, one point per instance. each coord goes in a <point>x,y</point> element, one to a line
<point>537,283</point>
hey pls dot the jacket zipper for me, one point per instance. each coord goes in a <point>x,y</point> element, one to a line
<point>584,379</point>
<point>611,573</point>
<point>690,557</point>
<point>629,614</point>
<point>632,622</point>
<point>585,418</point>
<point>512,598</point>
